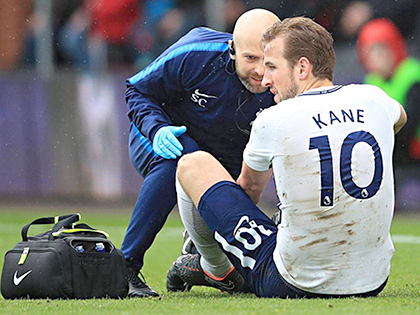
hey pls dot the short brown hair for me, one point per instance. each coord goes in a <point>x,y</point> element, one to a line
<point>305,38</point>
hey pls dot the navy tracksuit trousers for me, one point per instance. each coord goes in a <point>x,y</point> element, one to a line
<point>157,196</point>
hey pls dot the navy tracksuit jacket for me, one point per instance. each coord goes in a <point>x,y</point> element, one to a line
<point>193,83</point>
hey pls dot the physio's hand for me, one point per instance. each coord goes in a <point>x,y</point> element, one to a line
<point>165,142</point>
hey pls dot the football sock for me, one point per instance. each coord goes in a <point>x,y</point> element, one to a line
<point>213,259</point>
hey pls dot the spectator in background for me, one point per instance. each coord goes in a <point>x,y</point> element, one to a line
<point>233,9</point>
<point>404,13</point>
<point>328,13</point>
<point>163,22</point>
<point>61,13</point>
<point>98,33</point>
<point>73,39</point>
<point>383,53</point>
<point>112,22</point>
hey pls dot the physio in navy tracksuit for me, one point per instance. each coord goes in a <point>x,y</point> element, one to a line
<point>202,93</point>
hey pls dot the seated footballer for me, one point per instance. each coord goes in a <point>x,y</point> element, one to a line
<point>329,148</point>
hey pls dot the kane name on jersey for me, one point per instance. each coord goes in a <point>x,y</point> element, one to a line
<point>342,116</point>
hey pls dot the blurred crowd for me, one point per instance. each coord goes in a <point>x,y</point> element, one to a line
<point>90,33</point>
<point>87,34</point>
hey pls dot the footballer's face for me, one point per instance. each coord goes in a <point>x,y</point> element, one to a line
<point>249,66</point>
<point>278,75</point>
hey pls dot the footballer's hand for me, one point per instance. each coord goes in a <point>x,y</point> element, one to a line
<point>165,142</point>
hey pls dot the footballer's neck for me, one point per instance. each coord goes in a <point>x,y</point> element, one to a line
<point>314,83</point>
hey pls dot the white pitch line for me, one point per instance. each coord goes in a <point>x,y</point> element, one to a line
<point>405,239</point>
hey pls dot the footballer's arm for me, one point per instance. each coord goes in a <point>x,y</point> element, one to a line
<point>401,121</point>
<point>253,182</point>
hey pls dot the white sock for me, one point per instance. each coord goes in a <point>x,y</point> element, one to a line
<point>213,260</point>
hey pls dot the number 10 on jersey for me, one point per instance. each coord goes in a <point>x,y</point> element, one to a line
<point>322,144</point>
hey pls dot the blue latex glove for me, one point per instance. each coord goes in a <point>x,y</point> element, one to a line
<point>165,142</point>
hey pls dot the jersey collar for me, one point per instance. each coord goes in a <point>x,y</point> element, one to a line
<point>322,90</point>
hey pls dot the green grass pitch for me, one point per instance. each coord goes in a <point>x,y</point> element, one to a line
<point>401,295</point>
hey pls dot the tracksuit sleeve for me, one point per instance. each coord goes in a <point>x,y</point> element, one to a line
<point>150,89</point>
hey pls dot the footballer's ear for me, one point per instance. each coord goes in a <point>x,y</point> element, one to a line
<point>304,68</point>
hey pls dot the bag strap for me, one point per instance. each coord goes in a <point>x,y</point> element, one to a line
<point>59,221</point>
<point>79,230</point>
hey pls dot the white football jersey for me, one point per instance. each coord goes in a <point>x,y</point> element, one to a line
<point>331,152</point>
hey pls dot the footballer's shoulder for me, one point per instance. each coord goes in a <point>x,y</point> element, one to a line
<point>362,87</point>
<point>278,109</point>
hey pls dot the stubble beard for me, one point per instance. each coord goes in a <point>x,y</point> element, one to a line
<point>246,82</point>
<point>251,88</point>
<point>291,91</point>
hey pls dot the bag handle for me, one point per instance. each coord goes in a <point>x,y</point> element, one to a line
<point>59,221</point>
